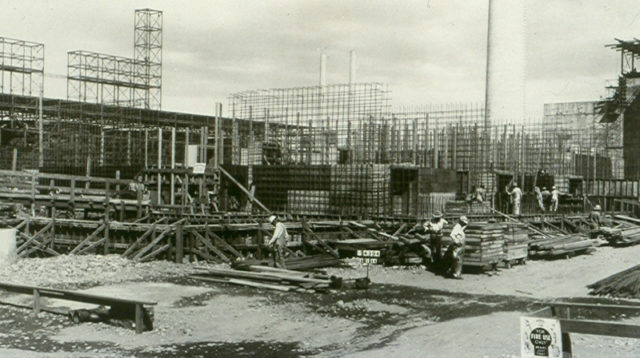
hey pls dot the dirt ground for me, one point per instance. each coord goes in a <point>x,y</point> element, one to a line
<point>407,312</point>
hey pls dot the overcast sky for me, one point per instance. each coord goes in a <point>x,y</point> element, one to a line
<point>428,52</point>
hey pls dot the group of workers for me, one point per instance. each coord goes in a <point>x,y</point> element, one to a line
<point>446,260</point>
<point>542,197</point>
<point>449,261</point>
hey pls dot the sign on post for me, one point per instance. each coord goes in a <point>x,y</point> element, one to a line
<point>368,256</point>
<point>540,337</point>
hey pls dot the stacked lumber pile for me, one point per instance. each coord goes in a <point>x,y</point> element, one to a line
<point>625,284</point>
<point>516,242</point>
<point>562,245</point>
<point>484,243</point>
<point>628,232</point>
<point>270,278</point>
<point>293,263</point>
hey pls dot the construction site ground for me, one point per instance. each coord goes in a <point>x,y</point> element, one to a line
<point>407,311</point>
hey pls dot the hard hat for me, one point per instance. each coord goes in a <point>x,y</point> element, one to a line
<point>437,214</point>
<point>597,208</point>
<point>544,188</point>
<point>464,219</point>
<point>553,187</point>
<point>515,185</point>
<point>271,219</point>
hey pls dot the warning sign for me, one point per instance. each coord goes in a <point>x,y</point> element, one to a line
<point>540,337</point>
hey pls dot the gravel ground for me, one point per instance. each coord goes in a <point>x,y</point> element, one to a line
<point>89,270</point>
<point>406,311</point>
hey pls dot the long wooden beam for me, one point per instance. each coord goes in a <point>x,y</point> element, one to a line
<point>251,197</point>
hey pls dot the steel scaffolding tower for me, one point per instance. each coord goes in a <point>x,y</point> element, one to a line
<point>21,67</point>
<point>128,82</point>
<point>148,56</point>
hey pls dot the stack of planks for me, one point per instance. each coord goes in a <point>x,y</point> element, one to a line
<point>561,245</point>
<point>484,244</point>
<point>270,278</point>
<point>627,233</point>
<point>293,263</point>
<point>516,243</point>
<point>625,284</point>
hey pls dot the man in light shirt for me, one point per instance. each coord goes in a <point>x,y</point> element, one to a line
<point>555,198</point>
<point>456,249</point>
<point>278,241</point>
<point>516,198</point>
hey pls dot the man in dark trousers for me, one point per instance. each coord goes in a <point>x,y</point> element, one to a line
<point>278,241</point>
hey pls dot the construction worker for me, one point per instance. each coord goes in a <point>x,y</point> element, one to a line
<point>434,228</point>
<point>545,196</point>
<point>480,194</point>
<point>278,241</point>
<point>555,198</point>
<point>595,218</point>
<point>539,198</point>
<point>455,251</point>
<point>516,198</point>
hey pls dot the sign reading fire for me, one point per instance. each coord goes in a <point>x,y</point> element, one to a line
<point>540,337</point>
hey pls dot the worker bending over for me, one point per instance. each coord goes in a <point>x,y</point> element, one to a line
<point>516,198</point>
<point>434,228</point>
<point>455,251</point>
<point>595,218</point>
<point>278,241</point>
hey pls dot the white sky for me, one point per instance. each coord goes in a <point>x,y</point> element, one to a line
<point>428,51</point>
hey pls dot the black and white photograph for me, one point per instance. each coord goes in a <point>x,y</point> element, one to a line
<point>317,178</point>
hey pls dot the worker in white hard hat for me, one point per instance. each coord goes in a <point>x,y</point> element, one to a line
<point>516,198</point>
<point>434,227</point>
<point>278,241</point>
<point>595,218</point>
<point>455,251</point>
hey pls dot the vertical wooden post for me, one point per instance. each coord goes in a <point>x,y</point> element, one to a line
<point>87,184</point>
<point>102,148</point>
<point>186,147</point>
<point>36,301</point>
<point>14,162</point>
<point>128,148</point>
<point>117,178</point>
<point>139,318</point>
<point>159,184</point>
<point>146,148</point>
<point>172,188</point>
<point>414,139</point>
<point>299,130</point>
<point>106,217</point>
<point>179,244</point>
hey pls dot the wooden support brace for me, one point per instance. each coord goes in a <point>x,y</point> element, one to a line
<point>132,247</point>
<point>35,236</point>
<point>91,246</point>
<point>93,235</point>
<point>210,246</point>
<point>225,245</point>
<point>155,252</point>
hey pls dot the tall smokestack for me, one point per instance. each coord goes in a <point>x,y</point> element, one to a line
<point>352,67</point>
<point>323,69</point>
<point>505,76</point>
